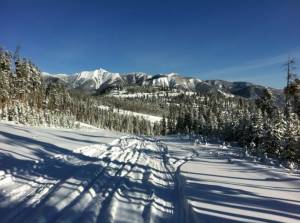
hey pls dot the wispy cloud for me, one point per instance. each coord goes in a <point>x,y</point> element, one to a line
<point>255,64</point>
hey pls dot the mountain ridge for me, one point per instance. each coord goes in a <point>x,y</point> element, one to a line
<point>99,80</point>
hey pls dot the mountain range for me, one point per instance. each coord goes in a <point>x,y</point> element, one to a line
<point>100,80</point>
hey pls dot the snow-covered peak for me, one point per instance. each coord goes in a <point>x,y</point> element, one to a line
<point>63,77</point>
<point>54,75</point>
<point>92,74</point>
<point>173,80</point>
<point>172,75</point>
<point>141,74</point>
<point>46,74</point>
<point>96,77</point>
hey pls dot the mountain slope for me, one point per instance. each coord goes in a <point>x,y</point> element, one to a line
<point>70,175</point>
<point>101,80</point>
<point>97,79</point>
<point>245,89</point>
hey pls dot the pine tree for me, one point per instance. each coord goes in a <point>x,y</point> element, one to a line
<point>5,73</point>
<point>163,126</point>
<point>266,102</point>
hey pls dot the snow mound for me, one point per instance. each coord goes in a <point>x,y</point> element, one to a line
<point>82,125</point>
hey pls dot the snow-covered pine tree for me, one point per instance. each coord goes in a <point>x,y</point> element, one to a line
<point>5,73</point>
<point>163,126</point>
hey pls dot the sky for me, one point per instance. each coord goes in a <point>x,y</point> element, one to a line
<point>236,40</point>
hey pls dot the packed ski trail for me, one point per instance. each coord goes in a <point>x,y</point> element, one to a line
<point>127,180</point>
<point>58,175</point>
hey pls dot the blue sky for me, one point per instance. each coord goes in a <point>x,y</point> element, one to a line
<point>231,40</point>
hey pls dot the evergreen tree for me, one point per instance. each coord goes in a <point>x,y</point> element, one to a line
<point>163,126</point>
<point>5,73</point>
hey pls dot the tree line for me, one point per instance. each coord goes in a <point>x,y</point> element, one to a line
<point>259,125</point>
<point>25,98</point>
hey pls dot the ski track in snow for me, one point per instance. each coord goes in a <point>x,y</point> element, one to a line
<point>127,180</point>
<point>218,184</point>
<point>57,175</point>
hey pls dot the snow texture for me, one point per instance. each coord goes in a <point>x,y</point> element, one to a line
<point>98,77</point>
<point>94,175</point>
<point>218,185</point>
<point>151,118</point>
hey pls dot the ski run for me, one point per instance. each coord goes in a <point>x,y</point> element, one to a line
<point>94,175</point>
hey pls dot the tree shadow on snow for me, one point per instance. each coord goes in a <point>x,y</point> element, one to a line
<point>84,179</point>
<point>214,199</point>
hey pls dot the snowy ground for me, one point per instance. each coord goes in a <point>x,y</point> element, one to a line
<point>125,94</point>
<point>220,186</point>
<point>59,175</point>
<point>151,118</point>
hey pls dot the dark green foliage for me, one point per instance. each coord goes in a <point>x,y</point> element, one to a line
<point>25,99</point>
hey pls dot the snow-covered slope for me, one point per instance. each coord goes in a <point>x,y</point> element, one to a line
<point>62,78</point>
<point>58,175</point>
<point>95,79</point>
<point>88,80</point>
<point>151,118</point>
<point>172,80</point>
<point>221,184</point>
<point>135,78</point>
<point>100,80</point>
<point>48,176</point>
